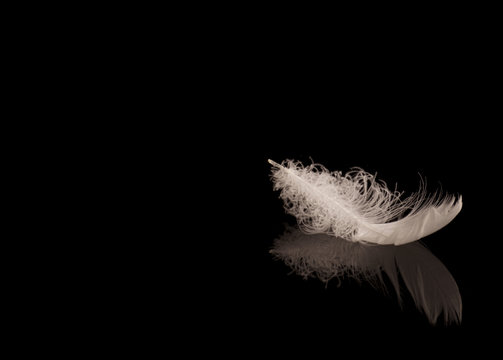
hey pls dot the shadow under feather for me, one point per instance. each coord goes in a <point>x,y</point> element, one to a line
<point>430,284</point>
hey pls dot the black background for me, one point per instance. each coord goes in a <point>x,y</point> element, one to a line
<point>405,122</point>
<point>402,105</point>
<point>177,121</point>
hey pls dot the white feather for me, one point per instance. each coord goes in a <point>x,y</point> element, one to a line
<point>430,284</point>
<point>357,207</point>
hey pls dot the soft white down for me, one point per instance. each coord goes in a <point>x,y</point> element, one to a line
<point>357,207</point>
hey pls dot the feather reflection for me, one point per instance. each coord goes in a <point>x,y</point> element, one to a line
<point>430,284</point>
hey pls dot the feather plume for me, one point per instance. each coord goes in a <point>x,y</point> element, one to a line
<point>430,284</point>
<point>357,207</point>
